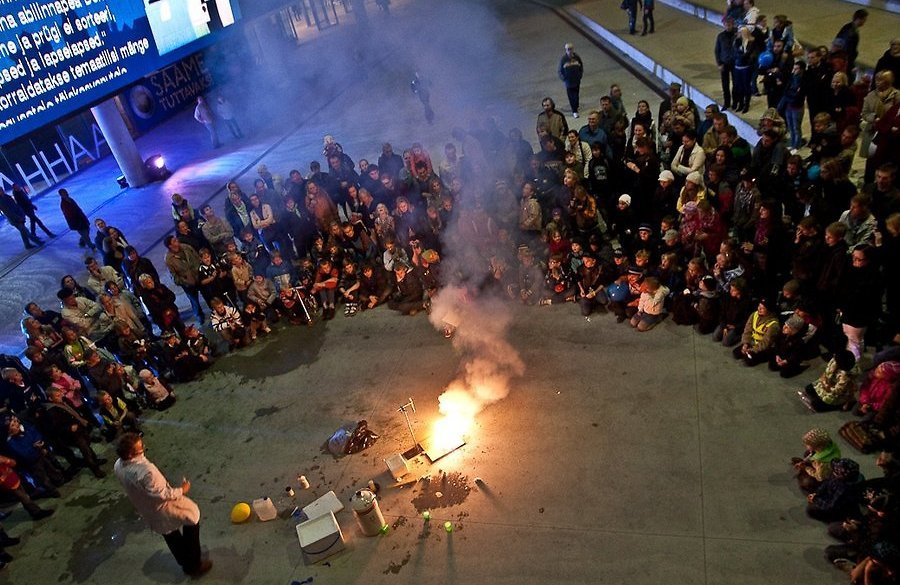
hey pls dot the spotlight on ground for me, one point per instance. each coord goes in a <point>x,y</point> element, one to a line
<point>122,181</point>
<point>156,168</point>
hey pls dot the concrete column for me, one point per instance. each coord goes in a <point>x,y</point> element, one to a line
<point>269,47</point>
<point>120,142</point>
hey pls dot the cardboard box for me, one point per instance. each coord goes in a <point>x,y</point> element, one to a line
<point>320,538</point>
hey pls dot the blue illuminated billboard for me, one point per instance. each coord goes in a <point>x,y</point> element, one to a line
<point>59,56</point>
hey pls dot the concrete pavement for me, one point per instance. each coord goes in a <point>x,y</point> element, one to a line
<point>617,457</point>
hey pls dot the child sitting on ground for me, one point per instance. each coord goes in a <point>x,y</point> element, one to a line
<point>877,388</point>
<point>255,320</point>
<point>790,348</point>
<point>815,465</point>
<point>651,305</point>
<point>558,282</point>
<point>708,306</point>
<point>836,386</point>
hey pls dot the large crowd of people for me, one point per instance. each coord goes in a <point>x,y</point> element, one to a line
<point>767,248</point>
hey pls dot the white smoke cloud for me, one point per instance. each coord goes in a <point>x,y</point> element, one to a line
<point>488,360</point>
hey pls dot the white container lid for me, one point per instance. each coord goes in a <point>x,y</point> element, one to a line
<point>314,530</point>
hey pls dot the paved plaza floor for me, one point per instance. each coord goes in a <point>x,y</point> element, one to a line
<point>617,457</point>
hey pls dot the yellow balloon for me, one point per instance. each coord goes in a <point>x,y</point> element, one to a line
<point>240,513</point>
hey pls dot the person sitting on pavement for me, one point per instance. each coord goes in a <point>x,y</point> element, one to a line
<point>157,393</point>
<point>789,350</point>
<point>836,388</point>
<point>226,321</point>
<point>117,418</point>
<point>760,333</point>
<point>408,293</point>
<point>814,466</point>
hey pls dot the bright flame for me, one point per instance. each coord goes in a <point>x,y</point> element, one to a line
<point>489,361</point>
<point>459,408</point>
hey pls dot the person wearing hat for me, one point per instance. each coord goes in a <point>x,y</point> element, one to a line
<point>570,71</point>
<point>646,239</point>
<point>670,244</point>
<point>694,190</point>
<point>760,333</point>
<point>790,348</point>
<point>664,197</point>
<point>815,465</point>
<point>165,508</point>
<point>622,221</point>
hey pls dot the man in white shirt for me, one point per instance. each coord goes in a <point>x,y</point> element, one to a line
<point>166,509</point>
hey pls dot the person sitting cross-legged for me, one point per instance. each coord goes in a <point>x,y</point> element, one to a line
<point>760,333</point>
<point>117,418</point>
<point>157,394</point>
<point>227,322</point>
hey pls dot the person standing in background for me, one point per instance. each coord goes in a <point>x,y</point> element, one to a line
<point>725,59</point>
<point>20,194</point>
<point>204,114</point>
<point>849,33</point>
<point>571,68</point>
<point>166,509</point>
<point>631,7</point>
<point>76,219</point>
<point>16,218</point>
<point>225,111</point>
<point>649,5</point>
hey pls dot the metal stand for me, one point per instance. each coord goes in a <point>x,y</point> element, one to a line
<point>416,449</point>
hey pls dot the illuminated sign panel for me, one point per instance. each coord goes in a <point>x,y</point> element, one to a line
<point>58,56</point>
